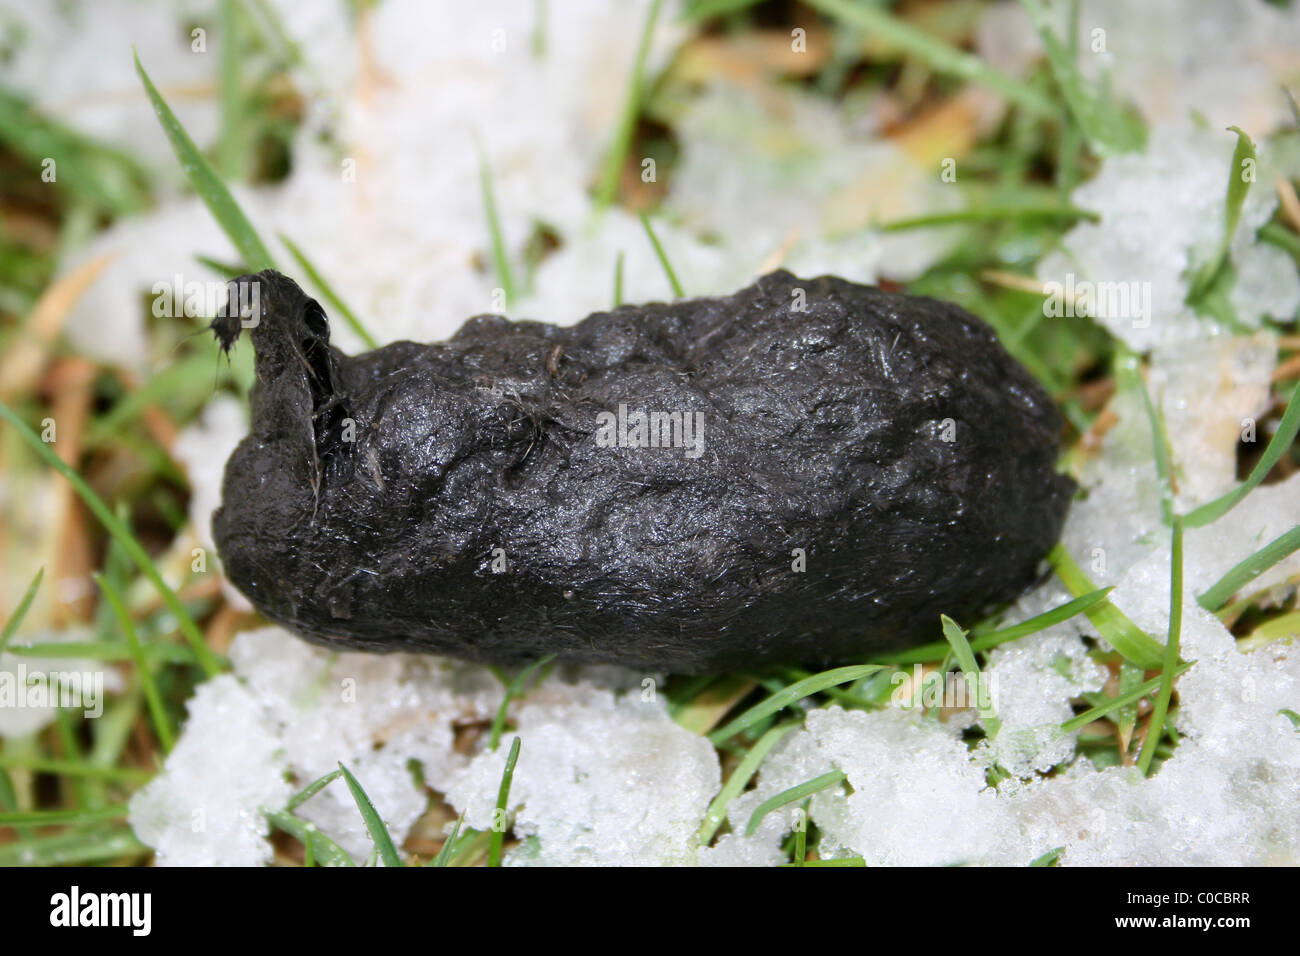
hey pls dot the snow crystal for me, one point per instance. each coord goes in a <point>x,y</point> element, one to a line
<point>1222,59</point>
<point>918,799</point>
<point>602,779</point>
<point>373,713</point>
<point>1161,216</point>
<point>291,710</point>
<point>604,775</point>
<point>204,809</point>
<point>1032,681</point>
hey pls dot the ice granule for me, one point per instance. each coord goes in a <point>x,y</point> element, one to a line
<point>602,779</point>
<point>1222,59</point>
<point>1208,390</point>
<point>204,809</point>
<point>373,713</point>
<point>297,711</point>
<point>1162,214</point>
<point>1224,796</point>
<point>1032,681</point>
<point>919,799</point>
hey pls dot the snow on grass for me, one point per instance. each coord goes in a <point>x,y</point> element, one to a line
<point>205,808</point>
<point>602,779</point>
<point>1161,215</point>
<point>388,210</point>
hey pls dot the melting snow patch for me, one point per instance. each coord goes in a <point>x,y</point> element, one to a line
<point>602,778</point>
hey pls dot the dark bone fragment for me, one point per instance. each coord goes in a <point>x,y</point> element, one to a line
<point>461,498</point>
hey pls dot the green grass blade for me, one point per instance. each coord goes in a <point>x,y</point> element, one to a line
<point>1130,376</point>
<point>503,797</point>
<point>190,379</point>
<point>40,818</point>
<point>96,177</point>
<point>444,855</point>
<point>207,660</point>
<point>998,214</point>
<point>1243,156</point>
<point>1121,633</point>
<point>1049,858</point>
<point>662,257</point>
<point>227,270</point>
<point>162,724</point>
<point>793,795</point>
<point>1156,725</point>
<point>266,19</point>
<point>1130,677</point>
<point>1103,122</point>
<point>984,639</point>
<point>313,788</point>
<point>792,694</point>
<point>327,290</point>
<point>539,29</point>
<point>612,168</point>
<point>739,779</point>
<point>513,690</point>
<point>324,850</point>
<point>851,861</point>
<point>934,53</point>
<point>705,9</point>
<point>207,184</point>
<point>232,147</point>
<point>966,661</point>
<point>801,837</point>
<point>374,823</point>
<point>470,848</point>
<point>1277,447</point>
<point>500,258</point>
<point>618,281</point>
<point>16,619</point>
<point>75,768</point>
<point>1119,701</point>
<point>106,651</point>
<point>77,847</point>
<point>1278,235</point>
<point>1247,570</point>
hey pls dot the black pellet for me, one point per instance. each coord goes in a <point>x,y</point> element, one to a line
<point>807,471</point>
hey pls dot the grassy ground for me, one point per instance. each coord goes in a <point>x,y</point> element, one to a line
<point>63,791</point>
